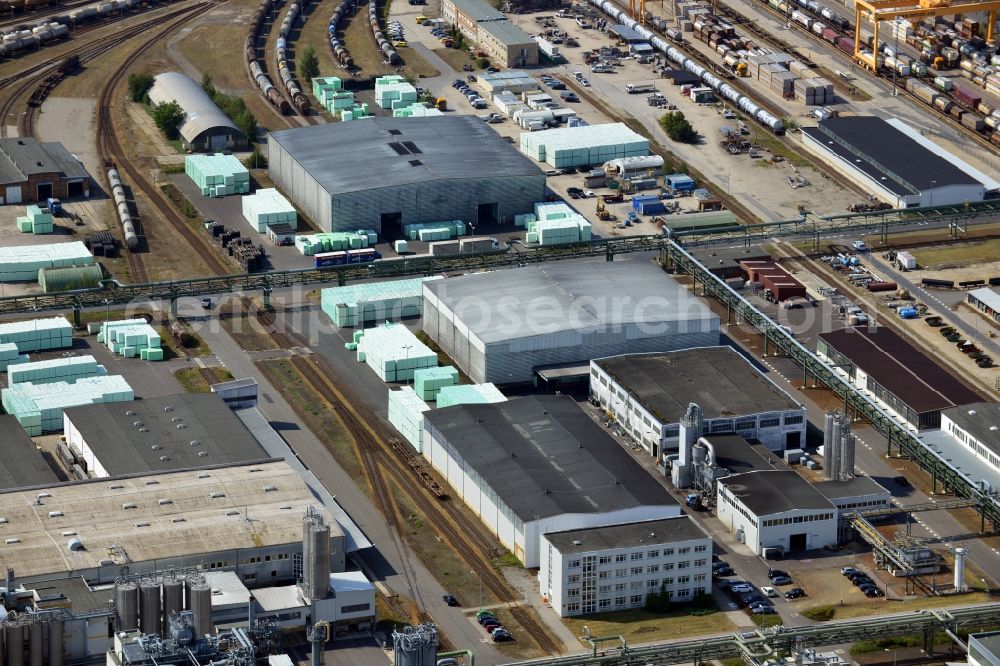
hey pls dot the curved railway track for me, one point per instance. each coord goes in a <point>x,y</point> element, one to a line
<point>111,152</point>
<point>383,457</point>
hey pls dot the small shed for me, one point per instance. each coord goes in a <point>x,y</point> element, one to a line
<point>281,233</point>
<point>680,182</point>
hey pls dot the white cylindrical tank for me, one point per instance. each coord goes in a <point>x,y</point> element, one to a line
<point>960,569</point>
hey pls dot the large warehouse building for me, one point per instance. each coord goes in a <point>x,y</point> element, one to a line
<point>20,462</point>
<point>386,172</point>
<point>536,465</point>
<point>158,435</point>
<point>649,393</point>
<point>205,128</point>
<point>976,427</point>
<point>500,327</point>
<point>601,569</point>
<point>900,376</point>
<point>210,517</point>
<point>503,42</point>
<point>896,163</point>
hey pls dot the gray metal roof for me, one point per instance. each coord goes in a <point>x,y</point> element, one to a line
<point>21,464</point>
<point>720,380</point>
<point>626,33</point>
<point>23,157</point>
<point>988,296</point>
<point>739,456</point>
<point>767,493</point>
<point>887,155</point>
<point>388,152</point>
<point>981,420</point>
<point>584,296</point>
<point>507,33</point>
<point>544,456</point>
<point>854,487</point>
<point>627,535</point>
<point>202,113</point>
<point>479,10</point>
<point>116,441</point>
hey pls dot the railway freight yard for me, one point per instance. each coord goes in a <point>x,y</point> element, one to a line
<point>535,332</point>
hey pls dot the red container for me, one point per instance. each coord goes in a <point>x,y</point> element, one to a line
<point>882,286</point>
<point>829,35</point>
<point>966,97</point>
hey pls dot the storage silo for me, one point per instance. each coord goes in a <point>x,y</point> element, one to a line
<point>415,646</point>
<point>831,451</point>
<point>173,601</point>
<point>315,556</point>
<point>847,444</point>
<point>55,642</point>
<point>14,636</point>
<point>149,607</point>
<point>127,601</point>
<point>36,643</point>
<point>200,598</point>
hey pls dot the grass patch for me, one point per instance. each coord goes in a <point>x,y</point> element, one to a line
<point>765,621</point>
<point>193,380</point>
<point>416,65</point>
<point>457,58</point>
<point>244,328</point>
<point>640,626</point>
<point>931,235</point>
<point>179,201</point>
<point>170,169</point>
<point>957,255</point>
<point>778,147</point>
<point>310,408</point>
<point>732,661</point>
<point>820,613</point>
<point>507,560</point>
<point>360,43</point>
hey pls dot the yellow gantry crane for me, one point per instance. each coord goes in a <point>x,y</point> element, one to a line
<point>637,8</point>
<point>887,10</point>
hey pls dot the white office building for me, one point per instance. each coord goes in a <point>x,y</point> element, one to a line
<point>649,393</point>
<point>777,509</point>
<point>613,568</point>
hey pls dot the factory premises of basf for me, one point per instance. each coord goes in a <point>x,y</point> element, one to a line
<point>441,332</point>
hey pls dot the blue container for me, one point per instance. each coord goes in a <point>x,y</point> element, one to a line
<point>652,208</point>
<point>638,201</point>
<point>907,313</point>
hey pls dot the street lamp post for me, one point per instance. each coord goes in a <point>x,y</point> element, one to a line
<point>408,348</point>
<point>480,587</point>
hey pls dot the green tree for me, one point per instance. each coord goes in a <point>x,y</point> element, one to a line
<point>247,123</point>
<point>308,64</point>
<point>678,128</point>
<point>168,118</point>
<point>138,86</point>
<point>207,85</point>
<point>482,63</point>
<point>658,602</point>
<point>256,159</point>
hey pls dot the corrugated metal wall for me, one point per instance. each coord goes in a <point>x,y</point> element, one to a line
<point>438,200</point>
<point>299,185</point>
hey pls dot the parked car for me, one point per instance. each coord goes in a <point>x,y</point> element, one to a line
<point>450,599</point>
<point>568,97</point>
<point>457,82</point>
<point>774,573</point>
<point>782,580</point>
<point>769,591</point>
<point>873,592</point>
<point>722,572</point>
<point>554,172</point>
<point>762,609</point>
<point>480,103</point>
<point>500,635</point>
<point>795,593</point>
<point>471,78</point>
<point>858,582</point>
<point>846,571</point>
<point>491,626</point>
<point>740,588</point>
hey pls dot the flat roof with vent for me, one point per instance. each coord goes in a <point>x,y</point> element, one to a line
<point>981,420</point>
<point>21,464</point>
<point>161,434</point>
<point>387,152</point>
<point>627,535</point>
<point>247,517</point>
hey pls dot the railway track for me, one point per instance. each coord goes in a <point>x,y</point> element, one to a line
<point>381,460</point>
<point>111,152</point>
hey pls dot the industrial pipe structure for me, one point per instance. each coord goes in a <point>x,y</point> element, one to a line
<point>765,642</point>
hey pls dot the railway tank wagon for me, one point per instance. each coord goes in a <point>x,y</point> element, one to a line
<point>339,50</point>
<point>288,80</point>
<point>260,77</point>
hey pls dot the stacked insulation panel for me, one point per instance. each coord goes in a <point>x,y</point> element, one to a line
<point>415,110</point>
<point>35,221</point>
<point>333,242</point>
<point>9,356</point>
<point>427,382</point>
<point>356,112</point>
<point>557,223</point>
<point>266,207</point>
<point>39,407</point>
<point>469,394</point>
<point>131,338</point>
<point>38,334</point>
<point>217,175</point>
<point>358,304</point>
<point>406,414</point>
<point>394,91</point>
<point>434,231</point>
<point>329,91</point>
<point>814,91</point>
<point>582,146</point>
<point>67,370</point>
<point>394,352</point>
<point>22,263</point>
